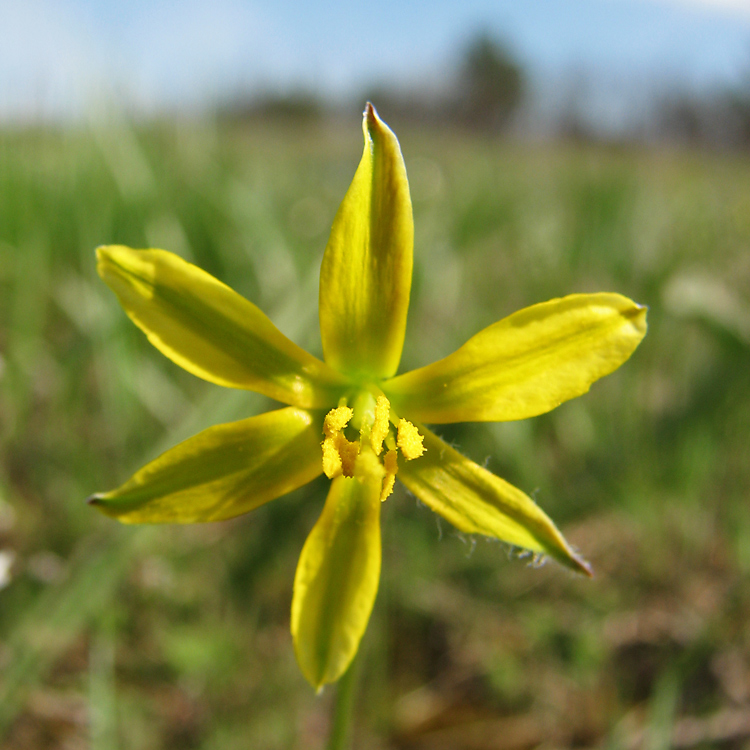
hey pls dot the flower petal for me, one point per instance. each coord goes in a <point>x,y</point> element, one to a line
<point>477,502</point>
<point>526,364</point>
<point>222,472</point>
<point>210,330</point>
<point>365,278</point>
<point>337,579</point>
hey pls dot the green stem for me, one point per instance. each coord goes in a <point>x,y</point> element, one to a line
<point>341,724</point>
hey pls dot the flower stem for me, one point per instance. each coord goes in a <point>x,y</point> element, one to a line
<point>341,724</point>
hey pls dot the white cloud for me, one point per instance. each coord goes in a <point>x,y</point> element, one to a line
<point>740,8</point>
<point>741,5</point>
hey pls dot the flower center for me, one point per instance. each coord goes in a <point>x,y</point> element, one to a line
<point>378,429</point>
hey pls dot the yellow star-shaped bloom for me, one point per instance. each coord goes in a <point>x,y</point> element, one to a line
<point>351,416</point>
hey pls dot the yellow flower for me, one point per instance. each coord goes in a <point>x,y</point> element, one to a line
<point>351,416</point>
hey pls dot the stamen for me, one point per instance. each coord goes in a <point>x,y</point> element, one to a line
<point>336,420</point>
<point>344,456</point>
<point>409,440</point>
<point>348,450</point>
<point>332,466</point>
<point>381,424</point>
<point>390,460</point>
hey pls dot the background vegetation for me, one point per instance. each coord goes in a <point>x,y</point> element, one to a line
<point>177,637</point>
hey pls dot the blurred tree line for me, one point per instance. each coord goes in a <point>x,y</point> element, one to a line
<point>489,92</point>
<point>486,92</point>
<point>716,119</point>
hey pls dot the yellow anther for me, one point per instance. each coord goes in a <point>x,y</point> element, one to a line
<point>390,460</point>
<point>409,440</point>
<point>348,450</point>
<point>344,456</point>
<point>336,420</point>
<point>332,466</point>
<point>381,424</point>
<point>339,454</point>
<point>388,484</point>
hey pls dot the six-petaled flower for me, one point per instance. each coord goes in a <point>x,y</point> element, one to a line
<point>350,416</point>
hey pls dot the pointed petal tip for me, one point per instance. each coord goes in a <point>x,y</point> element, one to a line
<point>107,255</point>
<point>100,253</point>
<point>371,115</point>
<point>319,683</point>
<point>638,315</point>
<point>370,121</point>
<point>105,251</point>
<point>581,566</point>
<point>373,124</point>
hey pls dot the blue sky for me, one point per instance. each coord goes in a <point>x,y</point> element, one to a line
<point>62,57</point>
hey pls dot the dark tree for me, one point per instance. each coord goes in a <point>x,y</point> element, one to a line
<point>491,85</point>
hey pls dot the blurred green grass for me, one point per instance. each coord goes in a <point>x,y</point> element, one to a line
<point>114,637</point>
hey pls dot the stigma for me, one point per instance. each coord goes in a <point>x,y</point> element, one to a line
<point>378,430</point>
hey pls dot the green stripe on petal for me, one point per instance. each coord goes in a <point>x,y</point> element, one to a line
<point>526,364</point>
<point>365,278</point>
<point>337,578</point>
<point>210,330</point>
<point>222,472</point>
<point>476,501</point>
